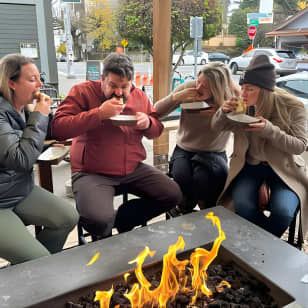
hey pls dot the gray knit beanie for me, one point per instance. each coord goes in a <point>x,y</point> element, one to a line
<point>260,72</point>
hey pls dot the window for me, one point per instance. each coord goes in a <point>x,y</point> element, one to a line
<point>286,54</point>
<point>249,53</point>
<point>296,87</point>
<point>263,52</point>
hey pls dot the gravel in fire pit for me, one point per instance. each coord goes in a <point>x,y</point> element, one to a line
<point>245,291</point>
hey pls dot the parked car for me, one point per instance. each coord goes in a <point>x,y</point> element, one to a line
<point>189,58</point>
<point>219,56</point>
<point>284,60</point>
<point>62,58</point>
<point>297,84</point>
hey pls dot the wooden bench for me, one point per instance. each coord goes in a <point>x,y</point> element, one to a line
<point>161,146</point>
<point>50,157</point>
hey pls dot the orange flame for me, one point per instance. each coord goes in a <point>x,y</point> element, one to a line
<point>222,286</point>
<point>173,278</point>
<point>201,259</point>
<point>103,297</point>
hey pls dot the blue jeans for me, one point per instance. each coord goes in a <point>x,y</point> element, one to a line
<point>283,202</point>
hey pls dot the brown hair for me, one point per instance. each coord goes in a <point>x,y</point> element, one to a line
<point>118,64</point>
<point>10,69</point>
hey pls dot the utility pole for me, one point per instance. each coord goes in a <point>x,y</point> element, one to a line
<point>196,32</point>
<point>68,38</point>
<point>48,63</point>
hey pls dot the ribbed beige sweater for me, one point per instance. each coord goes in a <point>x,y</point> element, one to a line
<point>194,133</point>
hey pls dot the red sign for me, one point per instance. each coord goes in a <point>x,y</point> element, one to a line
<point>252,32</point>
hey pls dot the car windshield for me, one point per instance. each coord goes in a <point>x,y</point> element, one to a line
<point>286,54</point>
<point>297,87</point>
<point>189,53</point>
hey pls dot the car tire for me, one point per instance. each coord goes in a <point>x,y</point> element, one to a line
<point>203,61</point>
<point>234,68</point>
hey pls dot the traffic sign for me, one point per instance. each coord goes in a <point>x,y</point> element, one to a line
<point>252,32</point>
<point>263,18</point>
<point>196,27</point>
<point>124,43</point>
<point>253,22</point>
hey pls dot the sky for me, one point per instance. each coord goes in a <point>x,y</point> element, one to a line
<point>233,6</point>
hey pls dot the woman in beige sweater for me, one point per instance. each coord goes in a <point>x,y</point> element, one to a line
<point>199,161</point>
<point>268,151</point>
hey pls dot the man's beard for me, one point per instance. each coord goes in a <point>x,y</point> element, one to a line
<point>118,97</point>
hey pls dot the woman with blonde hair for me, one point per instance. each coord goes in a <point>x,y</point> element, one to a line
<point>22,136</point>
<point>199,161</point>
<point>267,151</point>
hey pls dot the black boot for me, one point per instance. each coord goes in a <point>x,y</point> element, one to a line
<point>96,230</point>
<point>136,212</point>
<point>187,205</point>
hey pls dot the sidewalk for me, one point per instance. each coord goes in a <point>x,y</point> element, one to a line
<point>65,84</point>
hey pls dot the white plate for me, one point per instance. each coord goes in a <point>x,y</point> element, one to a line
<point>242,118</point>
<point>195,106</point>
<point>124,119</point>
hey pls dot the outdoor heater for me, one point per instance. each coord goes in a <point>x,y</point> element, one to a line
<point>63,278</point>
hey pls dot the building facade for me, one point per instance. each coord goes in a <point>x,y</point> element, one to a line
<point>26,28</point>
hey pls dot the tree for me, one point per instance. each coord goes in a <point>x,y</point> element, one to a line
<point>238,22</point>
<point>62,49</point>
<point>180,21</point>
<point>238,26</point>
<point>288,7</point>
<point>253,5</point>
<point>77,26</point>
<point>135,20</point>
<point>225,7</point>
<point>100,23</point>
<point>302,4</point>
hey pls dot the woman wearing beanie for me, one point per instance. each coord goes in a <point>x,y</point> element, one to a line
<point>268,151</point>
<point>199,162</point>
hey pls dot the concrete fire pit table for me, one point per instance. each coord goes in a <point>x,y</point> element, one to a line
<point>51,281</point>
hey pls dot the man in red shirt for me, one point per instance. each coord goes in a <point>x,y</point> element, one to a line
<point>107,159</point>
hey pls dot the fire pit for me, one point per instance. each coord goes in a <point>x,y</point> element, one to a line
<point>53,281</point>
<point>247,289</point>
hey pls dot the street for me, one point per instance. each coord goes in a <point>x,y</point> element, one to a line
<point>78,69</point>
<point>78,73</point>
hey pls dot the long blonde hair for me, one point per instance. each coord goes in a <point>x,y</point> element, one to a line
<point>220,81</point>
<point>276,106</point>
<point>10,69</point>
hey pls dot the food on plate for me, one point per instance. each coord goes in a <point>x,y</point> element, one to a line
<point>241,107</point>
<point>121,101</point>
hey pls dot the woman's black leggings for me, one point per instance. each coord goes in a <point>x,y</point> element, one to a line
<point>201,175</point>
